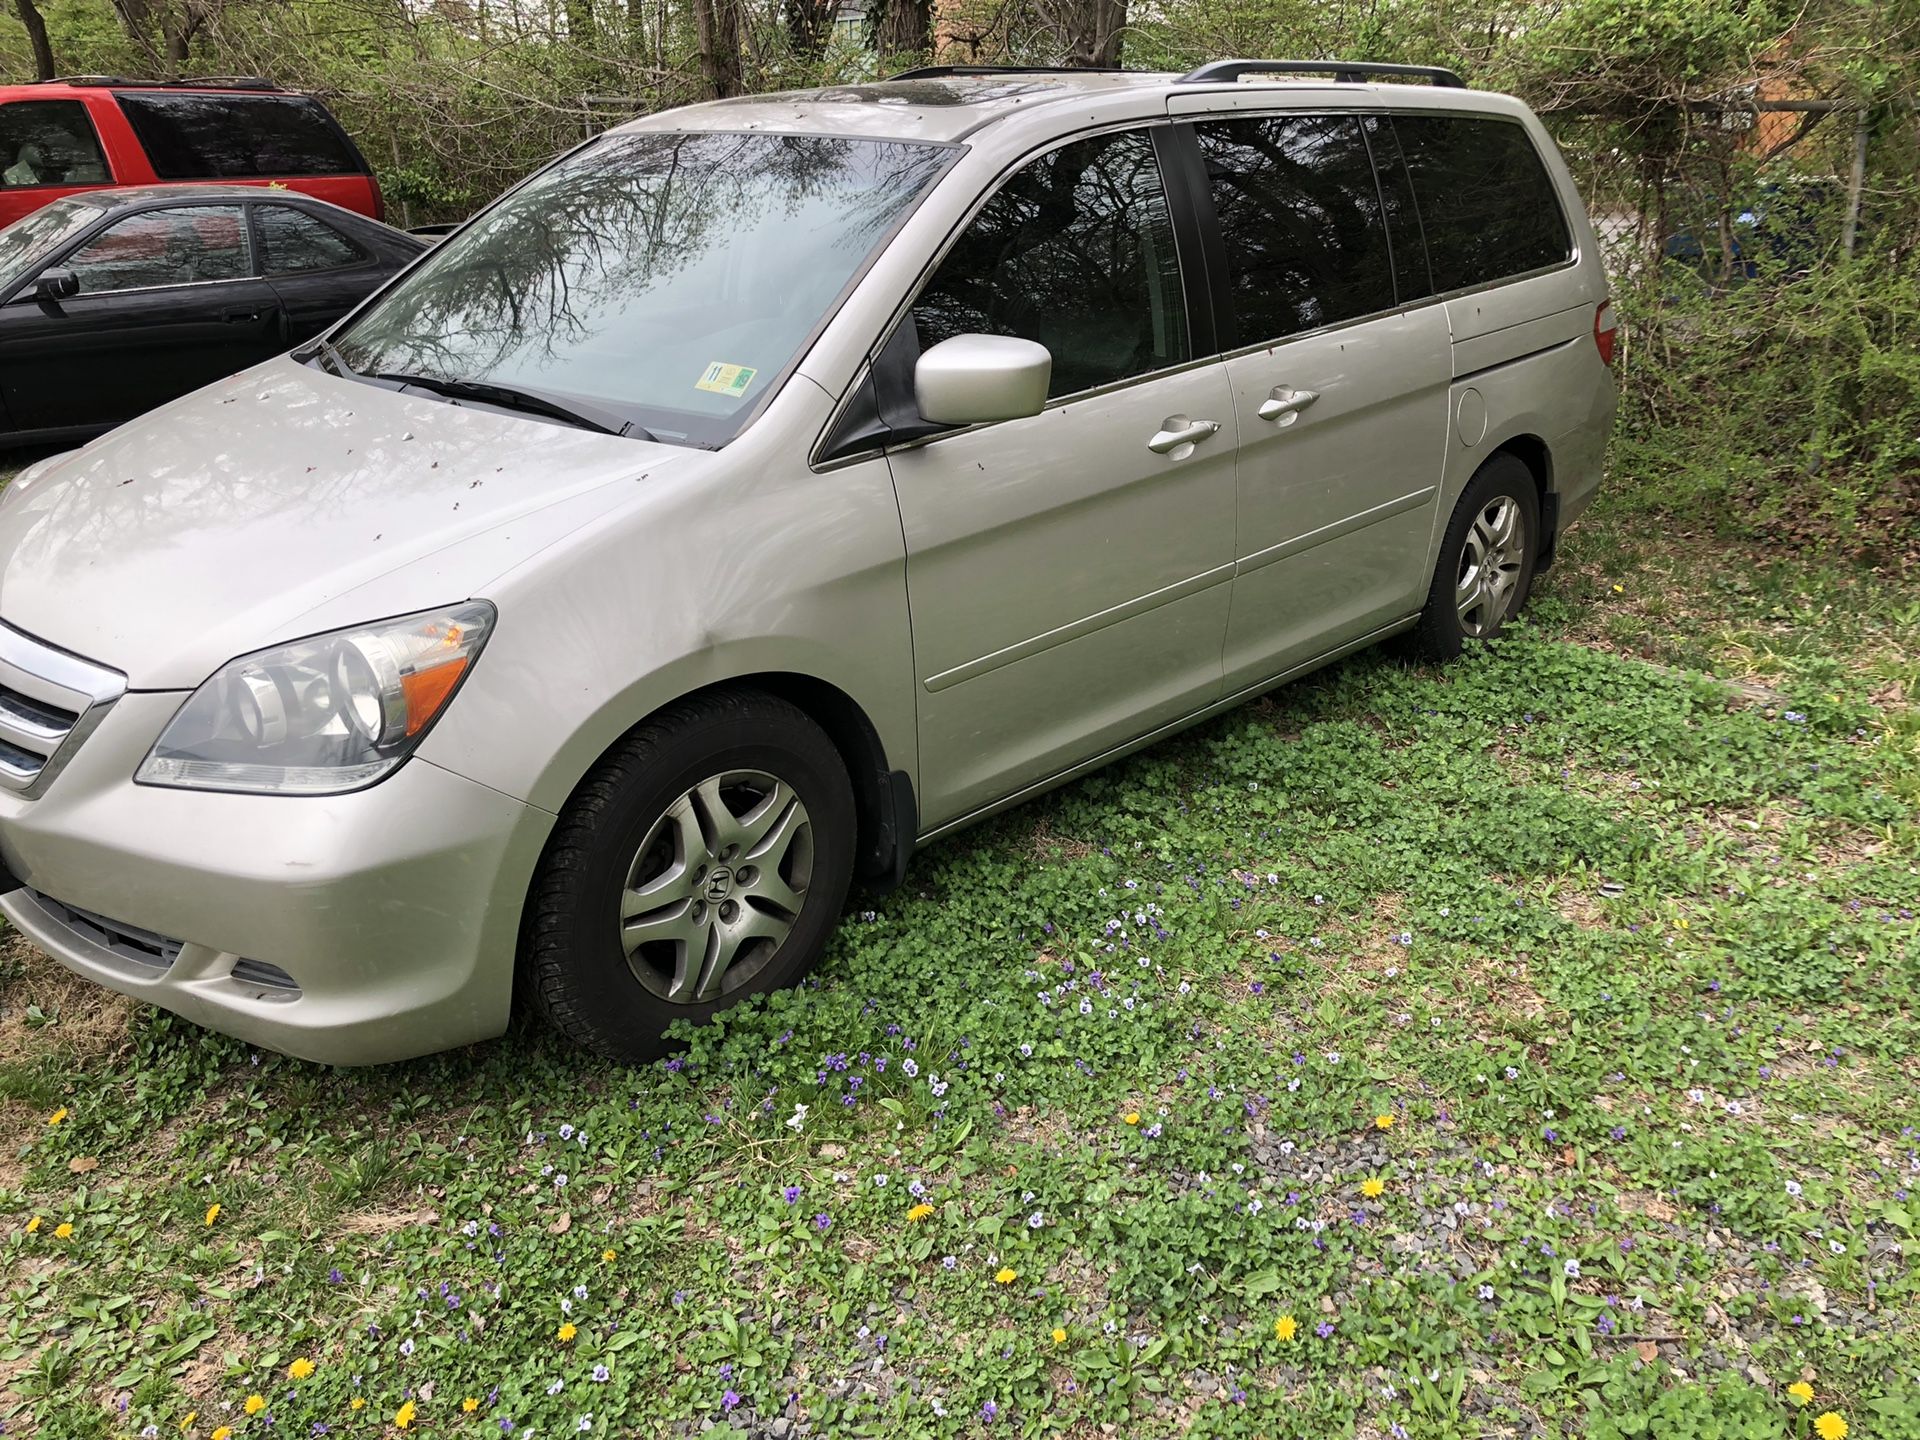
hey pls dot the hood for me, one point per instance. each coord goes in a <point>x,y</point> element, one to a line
<point>283,502</point>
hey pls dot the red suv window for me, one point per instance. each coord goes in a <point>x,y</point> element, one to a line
<point>49,142</point>
<point>231,137</point>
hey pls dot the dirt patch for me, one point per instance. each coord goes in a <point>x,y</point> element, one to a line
<point>46,1009</point>
<point>1047,844</point>
<point>385,1220</point>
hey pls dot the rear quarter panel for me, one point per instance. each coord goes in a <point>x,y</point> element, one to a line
<point>1524,357</point>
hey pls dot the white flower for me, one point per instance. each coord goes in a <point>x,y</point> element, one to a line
<point>799,1116</point>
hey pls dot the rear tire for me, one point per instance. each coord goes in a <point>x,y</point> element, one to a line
<point>704,860</point>
<point>1486,565</point>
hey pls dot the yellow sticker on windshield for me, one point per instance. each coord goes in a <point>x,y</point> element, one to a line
<point>726,379</point>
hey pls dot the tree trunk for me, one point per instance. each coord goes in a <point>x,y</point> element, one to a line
<point>808,24</point>
<point>906,28</point>
<point>1094,40</point>
<point>718,24</point>
<point>36,28</point>
<point>580,25</point>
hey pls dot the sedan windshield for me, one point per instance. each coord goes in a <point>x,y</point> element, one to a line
<point>27,243</point>
<point>666,278</point>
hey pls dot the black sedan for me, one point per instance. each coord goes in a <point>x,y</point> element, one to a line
<point>115,301</point>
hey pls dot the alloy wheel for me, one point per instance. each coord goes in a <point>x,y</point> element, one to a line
<point>716,886</point>
<point>1491,560</point>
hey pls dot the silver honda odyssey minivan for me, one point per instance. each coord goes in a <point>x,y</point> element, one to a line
<point>757,492</point>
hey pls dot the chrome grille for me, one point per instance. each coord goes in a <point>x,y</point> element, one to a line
<point>49,700</point>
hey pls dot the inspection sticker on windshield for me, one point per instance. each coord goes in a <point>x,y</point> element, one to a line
<point>726,379</point>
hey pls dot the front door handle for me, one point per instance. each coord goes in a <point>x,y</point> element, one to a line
<point>1178,435</point>
<point>1284,405</point>
<point>241,315</point>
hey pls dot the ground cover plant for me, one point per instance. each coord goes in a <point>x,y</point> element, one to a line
<point>1525,1047</point>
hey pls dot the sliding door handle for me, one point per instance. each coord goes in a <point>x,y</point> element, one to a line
<point>1284,405</point>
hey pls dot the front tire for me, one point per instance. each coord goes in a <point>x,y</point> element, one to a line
<point>706,859</point>
<point>1486,566</point>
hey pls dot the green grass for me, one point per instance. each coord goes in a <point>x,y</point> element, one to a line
<point>1605,970</point>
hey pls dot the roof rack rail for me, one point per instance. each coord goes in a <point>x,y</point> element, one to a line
<point>196,82</point>
<point>943,72</point>
<point>1346,72</point>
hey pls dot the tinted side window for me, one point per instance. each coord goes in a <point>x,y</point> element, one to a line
<point>1487,205</point>
<point>217,137</point>
<point>293,242</point>
<point>49,142</point>
<point>1411,277</point>
<point>1075,252</point>
<point>164,247</point>
<point>1300,217</point>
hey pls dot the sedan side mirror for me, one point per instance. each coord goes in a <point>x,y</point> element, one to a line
<point>56,283</point>
<point>973,379</point>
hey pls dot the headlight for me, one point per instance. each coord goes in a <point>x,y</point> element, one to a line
<point>320,716</point>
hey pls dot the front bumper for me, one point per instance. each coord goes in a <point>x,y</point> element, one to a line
<point>391,914</point>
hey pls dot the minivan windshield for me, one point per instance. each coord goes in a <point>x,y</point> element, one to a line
<point>667,278</point>
<point>27,243</point>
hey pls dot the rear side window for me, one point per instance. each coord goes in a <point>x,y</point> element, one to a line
<point>293,242</point>
<point>1299,214</point>
<point>49,142</point>
<point>187,246</point>
<point>1487,204</point>
<point>223,137</point>
<point>1075,252</point>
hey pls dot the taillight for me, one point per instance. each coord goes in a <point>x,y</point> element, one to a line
<point>1606,331</point>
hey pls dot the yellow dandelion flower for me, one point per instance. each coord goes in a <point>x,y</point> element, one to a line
<point>1618,589</point>
<point>255,1404</point>
<point>187,1424</point>
<point>1006,1275</point>
<point>57,1116</point>
<point>1685,926</point>
<point>403,1417</point>
<point>469,1405</point>
<point>1285,1328</point>
<point>919,1212</point>
<point>213,1212</point>
<point>63,1231</point>
<point>1801,1392</point>
<point>359,1402</point>
<point>1831,1426</point>
<point>300,1369</point>
<point>1383,1122</point>
<point>1132,1117</point>
<point>224,1432</point>
<point>1059,1336</point>
<point>566,1333</point>
<point>607,1257</point>
<point>1373,1187</point>
<point>34,1224</point>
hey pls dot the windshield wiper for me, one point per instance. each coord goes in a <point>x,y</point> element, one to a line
<point>331,358</point>
<point>508,397</point>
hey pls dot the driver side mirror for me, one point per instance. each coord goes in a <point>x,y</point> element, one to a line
<point>974,379</point>
<point>56,283</point>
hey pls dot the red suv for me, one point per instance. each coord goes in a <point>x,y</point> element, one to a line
<point>63,136</point>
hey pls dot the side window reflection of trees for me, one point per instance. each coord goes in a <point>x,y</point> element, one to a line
<point>1076,252</point>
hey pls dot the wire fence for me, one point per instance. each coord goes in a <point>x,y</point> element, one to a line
<point>1732,193</point>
